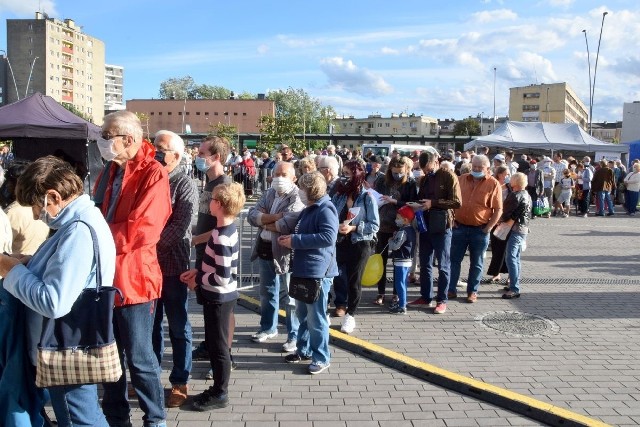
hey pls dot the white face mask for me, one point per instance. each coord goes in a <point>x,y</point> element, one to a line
<point>303,197</point>
<point>417,173</point>
<point>281,184</point>
<point>106,149</point>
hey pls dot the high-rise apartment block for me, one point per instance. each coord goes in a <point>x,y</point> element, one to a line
<point>553,103</point>
<point>113,88</point>
<point>57,59</point>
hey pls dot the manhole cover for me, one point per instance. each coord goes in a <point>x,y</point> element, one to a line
<point>519,324</point>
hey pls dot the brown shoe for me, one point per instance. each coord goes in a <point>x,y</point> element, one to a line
<point>340,311</point>
<point>472,297</point>
<point>177,397</point>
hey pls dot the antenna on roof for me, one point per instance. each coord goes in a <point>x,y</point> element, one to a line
<point>535,73</point>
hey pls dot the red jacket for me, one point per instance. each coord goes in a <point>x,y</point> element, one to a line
<point>140,215</point>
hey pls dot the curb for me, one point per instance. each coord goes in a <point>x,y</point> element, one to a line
<point>515,402</point>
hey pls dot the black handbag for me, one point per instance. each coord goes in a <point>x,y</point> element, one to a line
<point>80,348</point>
<point>305,290</point>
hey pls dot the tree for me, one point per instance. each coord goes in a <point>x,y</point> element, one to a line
<point>205,91</point>
<point>77,112</point>
<point>279,130</point>
<point>246,95</point>
<point>144,121</point>
<point>177,88</point>
<point>466,127</point>
<point>224,131</point>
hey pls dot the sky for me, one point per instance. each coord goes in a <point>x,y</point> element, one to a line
<point>441,59</point>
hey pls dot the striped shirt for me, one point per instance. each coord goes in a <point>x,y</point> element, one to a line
<point>218,275</point>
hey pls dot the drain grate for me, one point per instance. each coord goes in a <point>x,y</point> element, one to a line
<point>519,324</point>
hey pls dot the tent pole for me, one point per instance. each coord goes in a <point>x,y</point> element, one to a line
<point>88,171</point>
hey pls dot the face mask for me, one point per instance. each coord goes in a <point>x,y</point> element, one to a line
<point>398,176</point>
<point>106,149</point>
<point>534,167</point>
<point>417,173</point>
<point>345,179</point>
<point>281,184</point>
<point>507,179</point>
<point>399,222</point>
<point>45,216</point>
<point>586,163</point>
<point>465,160</point>
<point>457,159</point>
<point>303,197</point>
<point>201,164</point>
<point>480,174</point>
<point>160,158</point>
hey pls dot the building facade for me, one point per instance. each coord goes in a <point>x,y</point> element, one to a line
<point>57,59</point>
<point>607,132</point>
<point>553,103</point>
<point>396,124</point>
<point>113,88</point>
<point>200,115</point>
<point>630,122</point>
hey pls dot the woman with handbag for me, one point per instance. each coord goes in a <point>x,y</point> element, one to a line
<point>632,187</point>
<point>61,269</point>
<point>516,213</point>
<point>313,257</point>
<point>356,240</point>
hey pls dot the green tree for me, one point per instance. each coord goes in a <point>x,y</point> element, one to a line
<point>205,91</point>
<point>275,131</point>
<point>466,127</point>
<point>177,87</point>
<point>77,112</point>
<point>246,95</point>
<point>144,121</point>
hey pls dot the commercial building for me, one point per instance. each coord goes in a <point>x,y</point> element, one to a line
<point>113,88</point>
<point>200,115</point>
<point>57,59</point>
<point>631,122</point>
<point>553,103</point>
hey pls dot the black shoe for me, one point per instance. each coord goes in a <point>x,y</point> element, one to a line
<point>598,214</point>
<point>207,401</point>
<point>295,358</point>
<point>610,214</point>
<point>200,352</point>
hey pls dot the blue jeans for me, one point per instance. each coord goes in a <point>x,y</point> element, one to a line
<point>313,335</point>
<point>132,327</point>
<point>476,240</point>
<point>274,291</point>
<point>400,276</point>
<point>438,244</point>
<point>605,196</point>
<point>77,405</point>
<point>631,200</point>
<point>175,303</point>
<point>512,259</point>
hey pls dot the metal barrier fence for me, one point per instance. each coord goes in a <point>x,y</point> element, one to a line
<point>248,272</point>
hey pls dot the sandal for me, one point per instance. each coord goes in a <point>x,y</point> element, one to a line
<point>379,300</point>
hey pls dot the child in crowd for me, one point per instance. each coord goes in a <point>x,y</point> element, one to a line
<point>563,203</point>
<point>402,245</point>
<point>215,285</point>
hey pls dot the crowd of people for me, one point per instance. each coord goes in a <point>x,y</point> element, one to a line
<point>319,217</point>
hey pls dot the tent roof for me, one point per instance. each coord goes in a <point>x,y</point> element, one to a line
<point>40,116</point>
<point>545,136</point>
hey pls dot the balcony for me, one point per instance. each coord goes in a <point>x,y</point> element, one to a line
<point>67,36</point>
<point>66,49</point>
<point>67,75</point>
<point>67,98</point>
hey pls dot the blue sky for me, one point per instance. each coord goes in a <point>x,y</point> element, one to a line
<point>435,58</point>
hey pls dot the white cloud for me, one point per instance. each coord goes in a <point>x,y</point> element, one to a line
<point>299,42</point>
<point>262,49</point>
<point>346,75</point>
<point>529,68</point>
<point>389,51</point>
<point>560,3</point>
<point>487,16</point>
<point>27,8</point>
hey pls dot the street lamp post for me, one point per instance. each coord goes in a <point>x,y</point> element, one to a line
<point>481,114</point>
<point>6,56</point>
<point>589,65</point>
<point>595,71</point>
<point>26,91</point>
<point>494,99</point>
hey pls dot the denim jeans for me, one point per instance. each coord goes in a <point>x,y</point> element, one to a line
<point>274,292</point>
<point>400,277</point>
<point>216,332</point>
<point>438,244</point>
<point>132,327</point>
<point>175,303</point>
<point>313,335</point>
<point>476,240</point>
<point>512,258</point>
<point>77,405</point>
<point>631,201</point>
<point>605,196</point>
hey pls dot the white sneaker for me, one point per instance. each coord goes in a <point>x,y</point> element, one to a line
<point>348,324</point>
<point>290,346</point>
<point>262,336</point>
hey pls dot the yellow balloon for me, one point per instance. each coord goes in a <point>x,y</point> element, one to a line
<point>372,271</point>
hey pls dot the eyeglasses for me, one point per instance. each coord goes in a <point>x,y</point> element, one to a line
<point>163,150</point>
<point>106,135</point>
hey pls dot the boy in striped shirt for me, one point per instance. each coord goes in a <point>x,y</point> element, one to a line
<point>215,284</point>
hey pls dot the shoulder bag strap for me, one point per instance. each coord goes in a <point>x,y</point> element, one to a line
<point>96,252</point>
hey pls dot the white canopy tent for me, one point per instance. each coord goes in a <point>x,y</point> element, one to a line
<point>545,136</point>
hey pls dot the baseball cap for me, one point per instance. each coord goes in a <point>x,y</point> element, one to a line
<point>406,212</point>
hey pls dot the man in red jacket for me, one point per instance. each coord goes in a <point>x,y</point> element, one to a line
<point>133,194</point>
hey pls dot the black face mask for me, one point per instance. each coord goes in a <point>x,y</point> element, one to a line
<point>345,179</point>
<point>160,157</point>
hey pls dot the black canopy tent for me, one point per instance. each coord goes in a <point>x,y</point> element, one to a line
<point>39,126</point>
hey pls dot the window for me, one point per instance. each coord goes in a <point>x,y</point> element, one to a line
<point>226,113</point>
<point>179,113</point>
<point>186,113</point>
<point>206,113</point>
<point>169,113</point>
<point>387,125</point>
<point>197,113</point>
<point>531,95</point>
<point>244,114</point>
<point>151,113</point>
<point>530,108</point>
<point>215,113</point>
<point>235,114</point>
<point>159,113</point>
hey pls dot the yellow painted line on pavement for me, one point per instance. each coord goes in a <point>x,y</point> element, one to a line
<point>476,387</point>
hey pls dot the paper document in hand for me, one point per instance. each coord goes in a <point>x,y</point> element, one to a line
<point>353,212</point>
<point>376,196</point>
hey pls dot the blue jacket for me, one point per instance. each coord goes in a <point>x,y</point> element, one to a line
<point>367,222</point>
<point>314,244</point>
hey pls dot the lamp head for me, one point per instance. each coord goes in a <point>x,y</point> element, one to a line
<point>605,13</point>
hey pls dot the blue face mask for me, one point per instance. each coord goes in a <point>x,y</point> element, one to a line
<point>201,164</point>
<point>507,179</point>
<point>160,158</point>
<point>477,174</point>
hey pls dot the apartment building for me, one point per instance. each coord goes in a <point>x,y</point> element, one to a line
<point>630,122</point>
<point>113,88</point>
<point>396,124</point>
<point>200,115</point>
<point>553,103</point>
<point>57,59</point>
